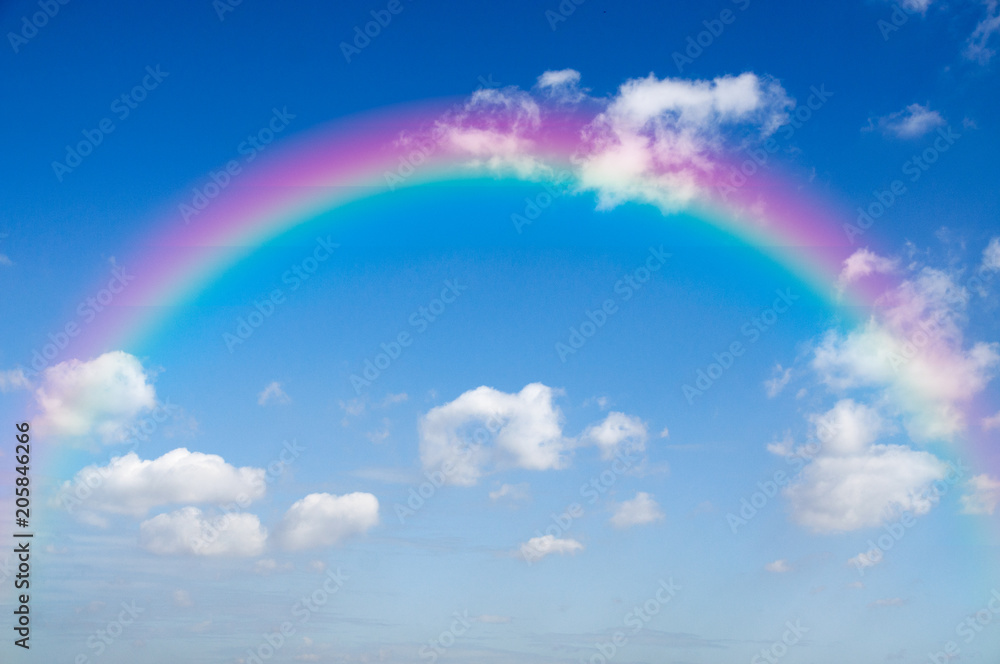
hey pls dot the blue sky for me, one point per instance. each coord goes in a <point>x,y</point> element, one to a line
<point>604,513</point>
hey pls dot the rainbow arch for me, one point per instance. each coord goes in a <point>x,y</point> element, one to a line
<point>351,160</point>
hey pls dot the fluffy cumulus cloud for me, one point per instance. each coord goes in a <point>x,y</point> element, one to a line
<point>537,548</point>
<point>188,531</point>
<point>639,511</point>
<point>323,520</point>
<point>101,397</point>
<point>486,427</point>
<point>915,350</point>
<point>854,482</point>
<point>912,122</point>
<point>130,485</point>
<point>618,432</point>
<point>983,495</point>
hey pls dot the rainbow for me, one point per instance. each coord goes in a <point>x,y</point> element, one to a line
<point>364,157</point>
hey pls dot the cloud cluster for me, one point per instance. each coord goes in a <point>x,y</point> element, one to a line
<point>656,140</point>
<point>853,481</point>
<point>915,351</point>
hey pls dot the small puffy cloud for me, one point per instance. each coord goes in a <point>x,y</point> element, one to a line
<point>492,620</point>
<point>774,385</point>
<point>323,520</point>
<point>866,559</point>
<point>991,422</point>
<point>863,263</point>
<point>638,511</point>
<point>912,122</point>
<point>991,255</point>
<point>130,485</point>
<point>537,548</point>
<point>525,429</point>
<point>511,492</point>
<point>778,566</point>
<point>102,396</point>
<point>13,379</point>
<point>190,532</point>
<point>853,482</point>
<point>983,496</point>
<point>617,433</point>
<point>273,394</point>
<point>563,85</point>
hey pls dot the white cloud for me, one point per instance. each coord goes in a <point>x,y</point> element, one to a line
<point>189,532</point>
<point>273,393</point>
<point>512,492</point>
<point>537,548</point>
<point>863,263</point>
<point>525,428</point>
<point>102,396</point>
<point>130,485</point>
<point>656,139</point>
<point>182,598</point>
<point>323,520</point>
<point>867,559</point>
<point>984,495</point>
<point>915,350</point>
<point>13,379</point>
<point>977,46</point>
<point>638,511</point>
<point>563,85</point>
<point>778,566</point>
<point>912,122</point>
<point>617,433</point>
<point>853,482</point>
<point>991,255</point>
<point>991,422</point>
<point>492,620</point>
<point>494,129</point>
<point>777,383</point>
